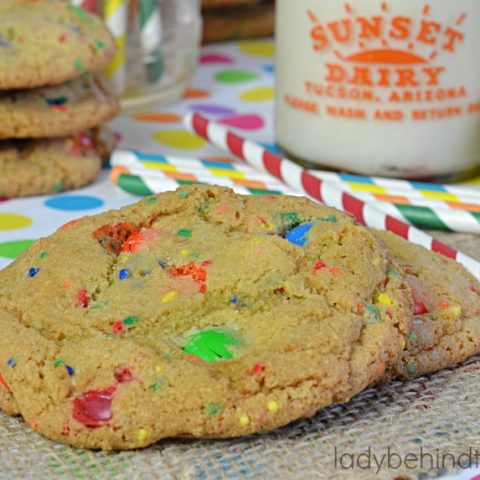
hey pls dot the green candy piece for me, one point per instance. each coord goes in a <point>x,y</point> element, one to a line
<point>131,320</point>
<point>212,408</point>
<point>184,233</point>
<point>211,345</point>
<point>290,219</point>
<point>374,313</point>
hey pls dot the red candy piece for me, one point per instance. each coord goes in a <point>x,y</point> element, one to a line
<point>82,298</point>
<point>198,274</point>
<point>258,368</point>
<point>94,408</point>
<point>475,290</point>
<point>115,238</point>
<point>419,308</point>
<point>118,327</point>
<point>123,374</point>
<point>4,384</point>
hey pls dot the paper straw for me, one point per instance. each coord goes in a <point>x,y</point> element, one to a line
<point>115,15</point>
<point>151,38</point>
<point>432,214</point>
<point>92,6</point>
<point>138,183</point>
<point>330,194</point>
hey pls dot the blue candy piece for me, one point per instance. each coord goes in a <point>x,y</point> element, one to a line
<point>298,236</point>
<point>124,274</point>
<point>32,272</point>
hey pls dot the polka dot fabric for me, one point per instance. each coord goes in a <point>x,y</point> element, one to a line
<point>233,84</point>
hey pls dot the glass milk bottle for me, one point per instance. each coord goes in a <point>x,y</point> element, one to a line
<point>380,87</point>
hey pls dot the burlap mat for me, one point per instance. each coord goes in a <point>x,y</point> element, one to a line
<point>428,418</point>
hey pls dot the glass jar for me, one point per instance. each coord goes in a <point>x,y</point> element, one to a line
<point>157,48</point>
<point>380,87</point>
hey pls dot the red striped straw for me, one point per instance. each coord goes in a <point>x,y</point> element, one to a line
<point>328,193</point>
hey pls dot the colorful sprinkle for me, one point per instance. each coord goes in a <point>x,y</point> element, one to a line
<point>330,219</point>
<point>384,299</point>
<point>158,384</point>
<point>183,194</point>
<point>124,274</point>
<point>318,266</point>
<point>82,298</point>
<point>412,368</point>
<point>142,435</point>
<point>298,236</point>
<point>123,374</point>
<point>272,406</point>
<point>258,368</point>
<point>58,362</point>
<point>118,327</point>
<point>94,407</point>
<point>211,345</point>
<point>78,64</point>
<point>374,313</point>
<point>234,300</point>
<point>130,320</point>
<point>184,233</point>
<point>115,238</point>
<point>11,363</point>
<point>212,408</point>
<point>419,308</point>
<point>70,370</point>
<point>4,384</point>
<point>198,274</point>
<point>32,272</point>
<point>57,101</point>
<point>244,420</point>
<point>443,305</point>
<point>393,273</point>
<point>168,297</point>
<point>151,200</point>
<point>43,255</point>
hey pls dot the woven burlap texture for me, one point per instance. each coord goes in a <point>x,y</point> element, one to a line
<point>433,415</point>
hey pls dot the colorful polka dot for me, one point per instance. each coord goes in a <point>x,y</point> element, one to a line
<point>74,202</point>
<point>160,117</point>
<point>235,76</point>
<point>212,109</point>
<point>260,94</point>
<point>258,49</point>
<point>244,122</point>
<point>215,58</point>
<point>14,221</point>
<point>196,93</point>
<point>13,249</point>
<point>179,139</point>
<point>269,68</point>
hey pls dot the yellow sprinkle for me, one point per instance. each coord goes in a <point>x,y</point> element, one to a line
<point>244,420</point>
<point>185,252</point>
<point>123,258</point>
<point>158,369</point>
<point>384,299</point>
<point>142,435</point>
<point>455,311</point>
<point>272,406</point>
<point>168,297</point>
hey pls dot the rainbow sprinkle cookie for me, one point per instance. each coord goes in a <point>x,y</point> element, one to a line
<point>56,111</point>
<point>446,324</point>
<point>46,42</point>
<point>36,167</point>
<point>196,313</point>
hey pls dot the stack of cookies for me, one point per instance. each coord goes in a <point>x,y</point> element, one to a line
<point>237,19</point>
<point>202,313</point>
<point>52,98</point>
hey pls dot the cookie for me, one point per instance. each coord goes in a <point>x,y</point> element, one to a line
<point>38,167</point>
<point>446,325</point>
<point>56,111</point>
<point>196,313</point>
<point>251,22</point>
<point>46,42</point>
